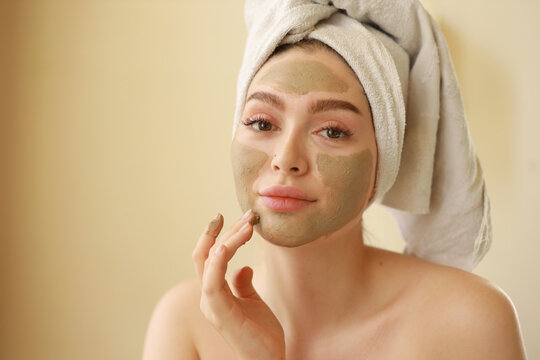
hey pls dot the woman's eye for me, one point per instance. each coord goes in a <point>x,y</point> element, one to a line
<point>333,132</point>
<point>259,124</point>
<point>330,132</point>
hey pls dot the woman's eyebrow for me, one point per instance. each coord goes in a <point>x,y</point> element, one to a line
<point>327,105</point>
<point>315,107</point>
<point>267,98</point>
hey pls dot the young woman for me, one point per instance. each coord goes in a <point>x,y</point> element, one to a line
<point>305,158</point>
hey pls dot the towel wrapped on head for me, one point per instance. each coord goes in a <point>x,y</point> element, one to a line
<point>428,174</point>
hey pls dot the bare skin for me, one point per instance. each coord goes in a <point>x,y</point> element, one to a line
<point>321,294</point>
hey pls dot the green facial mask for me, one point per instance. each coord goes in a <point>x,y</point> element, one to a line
<point>346,180</point>
<point>303,76</point>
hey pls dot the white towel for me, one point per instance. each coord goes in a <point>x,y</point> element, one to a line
<point>428,175</point>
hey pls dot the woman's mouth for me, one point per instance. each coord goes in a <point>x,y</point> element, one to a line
<point>284,204</point>
<point>285,198</point>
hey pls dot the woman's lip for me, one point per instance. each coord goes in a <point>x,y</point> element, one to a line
<point>286,192</point>
<point>284,204</point>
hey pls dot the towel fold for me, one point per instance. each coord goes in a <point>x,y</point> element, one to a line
<point>428,174</point>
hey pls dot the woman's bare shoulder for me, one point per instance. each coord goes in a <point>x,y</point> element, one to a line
<point>460,314</point>
<point>169,333</point>
<point>184,294</point>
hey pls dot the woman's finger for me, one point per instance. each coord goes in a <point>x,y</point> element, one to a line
<point>217,300</point>
<point>205,243</point>
<point>216,266</point>
<point>216,292</point>
<point>248,216</point>
<point>208,239</point>
<point>242,236</point>
<point>242,282</point>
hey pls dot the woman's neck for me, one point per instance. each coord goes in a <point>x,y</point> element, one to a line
<point>318,283</point>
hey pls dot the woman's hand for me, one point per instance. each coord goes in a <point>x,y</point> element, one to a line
<point>240,315</point>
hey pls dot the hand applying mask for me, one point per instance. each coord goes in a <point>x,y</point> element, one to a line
<point>239,314</point>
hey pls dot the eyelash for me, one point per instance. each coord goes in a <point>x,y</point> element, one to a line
<point>259,119</point>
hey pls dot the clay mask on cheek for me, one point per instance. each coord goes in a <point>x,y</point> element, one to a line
<point>347,179</point>
<point>246,163</point>
<point>302,76</point>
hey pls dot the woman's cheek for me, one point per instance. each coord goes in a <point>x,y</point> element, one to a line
<point>347,178</point>
<point>246,163</point>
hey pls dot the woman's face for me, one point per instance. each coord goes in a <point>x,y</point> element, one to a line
<point>306,124</point>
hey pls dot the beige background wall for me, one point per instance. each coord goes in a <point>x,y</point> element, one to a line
<point>114,141</point>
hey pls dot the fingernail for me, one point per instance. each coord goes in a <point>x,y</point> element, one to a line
<point>214,224</point>
<point>256,219</point>
<point>246,214</point>
<point>244,227</point>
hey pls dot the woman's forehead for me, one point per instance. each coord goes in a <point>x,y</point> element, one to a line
<point>300,76</point>
<point>299,72</point>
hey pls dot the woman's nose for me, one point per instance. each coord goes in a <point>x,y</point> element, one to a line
<point>290,156</point>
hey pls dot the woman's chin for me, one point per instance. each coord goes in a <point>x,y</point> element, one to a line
<point>283,231</point>
<point>283,241</point>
